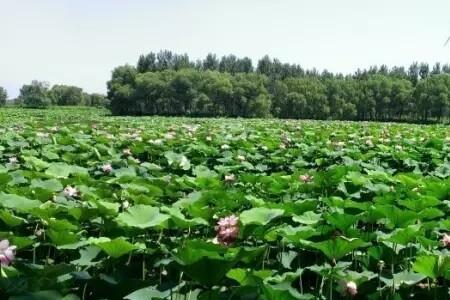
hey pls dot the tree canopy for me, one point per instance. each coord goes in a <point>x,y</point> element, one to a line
<point>35,94</point>
<point>166,83</point>
<point>3,96</point>
<point>38,94</point>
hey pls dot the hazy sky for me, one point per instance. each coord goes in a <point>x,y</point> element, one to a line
<point>79,42</point>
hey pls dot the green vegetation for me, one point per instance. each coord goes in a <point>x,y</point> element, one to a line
<point>100,207</point>
<point>170,84</point>
<point>38,94</point>
<point>3,96</point>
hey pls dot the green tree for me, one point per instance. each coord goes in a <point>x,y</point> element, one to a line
<point>66,95</point>
<point>95,99</point>
<point>170,84</point>
<point>121,90</point>
<point>35,95</point>
<point>3,96</point>
<point>211,62</point>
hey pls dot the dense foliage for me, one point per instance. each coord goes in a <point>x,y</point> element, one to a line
<point>38,94</point>
<point>34,95</point>
<point>3,96</point>
<point>171,84</point>
<point>96,207</point>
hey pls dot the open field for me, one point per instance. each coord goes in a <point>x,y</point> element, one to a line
<point>99,207</point>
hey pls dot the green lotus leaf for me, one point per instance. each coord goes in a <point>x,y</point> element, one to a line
<point>403,278</point>
<point>18,203</point>
<point>259,215</point>
<point>87,255</point>
<point>338,247</point>
<point>197,258</point>
<point>432,266</point>
<point>148,293</point>
<point>36,163</point>
<point>308,218</point>
<point>143,216</point>
<point>177,160</point>
<point>117,247</point>
<point>52,185</point>
<point>10,219</point>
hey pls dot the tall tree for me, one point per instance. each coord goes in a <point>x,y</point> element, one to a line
<point>35,95</point>
<point>211,62</point>
<point>66,95</point>
<point>3,96</point>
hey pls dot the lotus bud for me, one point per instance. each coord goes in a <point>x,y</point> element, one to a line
<point>106,168</point>
<point>445,241</point>
<point>125,204</point>
<point>241,157</point>
<point>380,265</point>
<point>351,288</point>
<point>13,160</point>
<point>230,177</point>
<point>306,178</point>
<point>127,152</point>
<point>7,253</point>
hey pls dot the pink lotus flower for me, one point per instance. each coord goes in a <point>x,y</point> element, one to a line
<point>227,230</point>
<point>230,177</point>
<point>306,178</point>
<point>39,232</point>
<point>125,204</point>
<point>445,241</point>
<point>7,253</point>
<point>127,152</point>
<point>13,160</point>
<point>351,288</point>
<point>285,138</point>
<point>348,288</point>
<point>106,168</point>
<point>70,191</point>
<point>42,134</point>
<point>170,135</point>
<point>156,142</point>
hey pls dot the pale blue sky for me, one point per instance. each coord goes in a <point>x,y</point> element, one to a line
<point>79,42</point>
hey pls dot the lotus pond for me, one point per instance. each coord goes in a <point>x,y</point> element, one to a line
<point>99,207</point>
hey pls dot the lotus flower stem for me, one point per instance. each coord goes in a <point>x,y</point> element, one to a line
<point>143,267</point>
<point>379,281</point>
<point>392,271</point>
<point>322,283</point>
<point>434,292</point>
<point>300,279</point>
<point>331,288</point>
<point>83,297</point>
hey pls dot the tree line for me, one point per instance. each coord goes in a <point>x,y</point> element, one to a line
<point>166,83</point>
<point>39,94</point>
